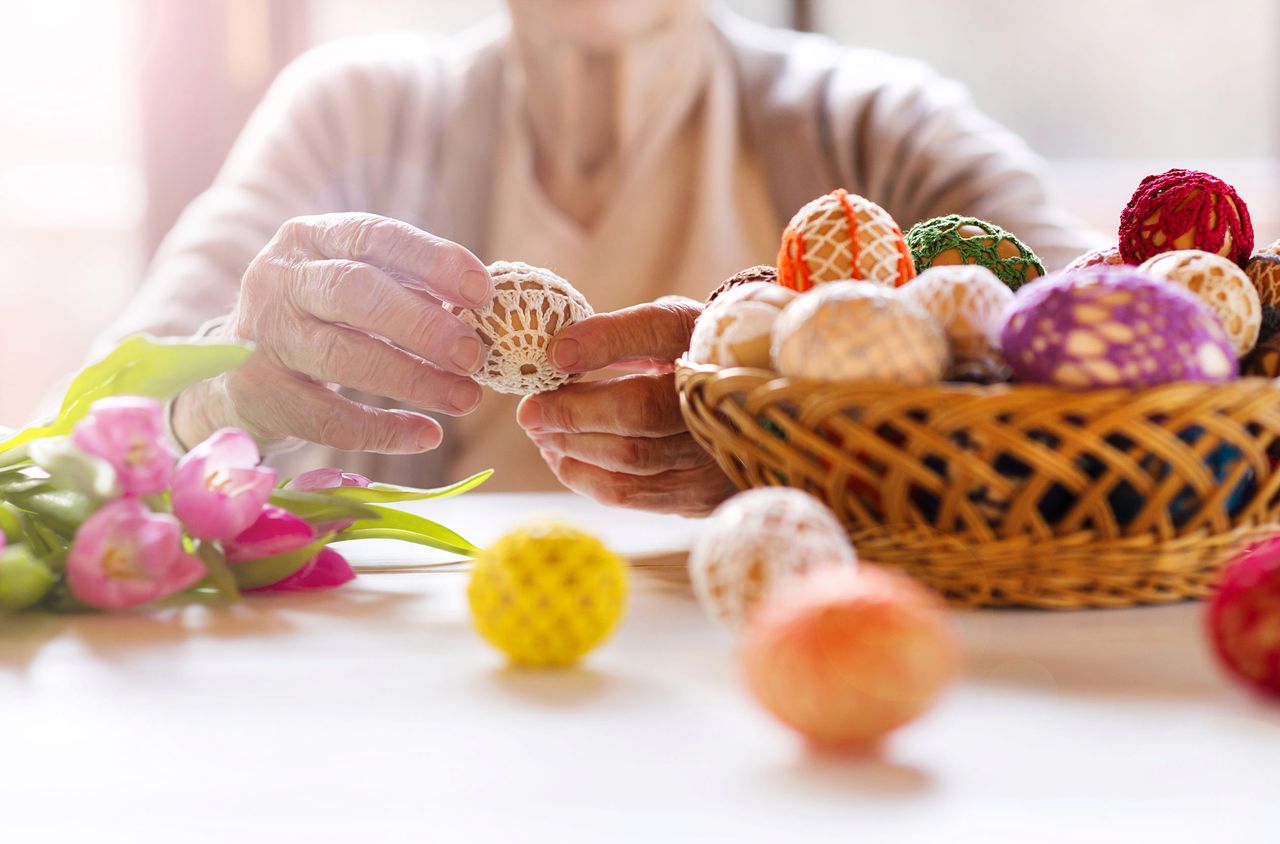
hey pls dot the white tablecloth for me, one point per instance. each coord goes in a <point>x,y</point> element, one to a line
<point>374,713</point>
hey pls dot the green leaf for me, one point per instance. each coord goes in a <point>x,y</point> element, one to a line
<point>390,493</point>
<point>318,508</point>
<point>60,509</point>
<point>219,573</point>
<point>24,580</point>
<point>256,574</point>
<point>407,527</point>
<point>139,366</point>
<point>10,522</point>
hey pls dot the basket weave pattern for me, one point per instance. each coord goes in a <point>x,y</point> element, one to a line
<point>1012,495</point>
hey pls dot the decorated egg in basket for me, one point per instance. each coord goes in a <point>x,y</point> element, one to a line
<point>843,236</point>
<point>851,331</point>
<point>1113,327</point>
<point>954,239</point>
<point>1108,257</point>
<point>1185,209</point>
<point>735,329</point>
<point>1221,285</point>
<point>763,272</point>
<point>969,303</point>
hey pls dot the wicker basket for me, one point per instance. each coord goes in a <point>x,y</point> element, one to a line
<point>1012,495</point>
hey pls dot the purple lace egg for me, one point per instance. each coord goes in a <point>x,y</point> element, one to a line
<point>1113,327</point>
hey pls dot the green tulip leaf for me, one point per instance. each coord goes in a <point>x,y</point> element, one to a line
<point>139,366</point>
<point>24,580</point>
<point>61,510</point>
<point>390,493</point>
<point>319,508</point>
<point>256,574</point>
<point>407,527</point>
<point>10,522</point>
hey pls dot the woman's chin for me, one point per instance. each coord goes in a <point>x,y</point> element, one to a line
<point>600,24</point>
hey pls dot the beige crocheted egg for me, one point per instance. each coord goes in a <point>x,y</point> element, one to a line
<point>736,328</point>
<point>842,236</point>
<point>851,331</point>
<point>530,306</point>
<point>1221,285</point>
<point>1109,257</point>
<point>757,539</point>
<point>968,302</point>
<point>1263,270</point>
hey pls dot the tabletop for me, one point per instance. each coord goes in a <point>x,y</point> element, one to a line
<point>375,713</point>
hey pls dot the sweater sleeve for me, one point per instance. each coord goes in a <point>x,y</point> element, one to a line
<point>918,145</point>
<point>332,134</point>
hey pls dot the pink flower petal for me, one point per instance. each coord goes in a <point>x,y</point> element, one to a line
<point>275,531</point>
<point>125,555</point>
<point>218,490</point>
<point>129,433</point>
<point>325,571</point>
<point>318,479</point>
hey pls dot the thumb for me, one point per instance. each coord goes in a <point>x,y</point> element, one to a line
<point>655,331</point>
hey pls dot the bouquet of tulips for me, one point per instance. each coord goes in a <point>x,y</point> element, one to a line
<point>98,511</point>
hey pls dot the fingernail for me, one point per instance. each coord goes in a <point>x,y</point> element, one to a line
<point>565,353</point>
<point>475,286</point>
<point>468,354</point>
<point>464,395</point>
<point>528,415</point>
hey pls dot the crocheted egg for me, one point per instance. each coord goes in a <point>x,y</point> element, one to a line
<point>1263,270</point>
<point>1221,285</point>
<point>1109,257</point>
<point>530,306</point>
<point>756,540</point>
<point>846,657</point>
<point>546,594</point>
<point>1113,327</point>
<point>1264,360</point>
<point>736,328</point>
<point>762,272</point>
<point>969,303</point>
<point>1185,209</point>
<point>950,240</point>
<point>1244,616</point>
<point>849,331</point>
<point>842,236</point>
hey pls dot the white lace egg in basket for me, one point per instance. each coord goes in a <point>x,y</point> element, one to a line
<point>530,306</point>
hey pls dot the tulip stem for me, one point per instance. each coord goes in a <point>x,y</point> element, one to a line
<point>220,576</point>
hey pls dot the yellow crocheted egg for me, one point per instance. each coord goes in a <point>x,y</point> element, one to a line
<point>735,329</point>
<point>530,306</point>
<point>851,331</point>
<point>842,236</point>
<point>1221,285</point>
<point>758,539</point>
<point>546,594</point>
<point>968,301</point>
<point>1263,270</point>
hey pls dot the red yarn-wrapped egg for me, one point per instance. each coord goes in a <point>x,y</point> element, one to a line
<point>843,237</point>
<point>844,657</point>
<point>1185,209</point>
<point>1244,617</point>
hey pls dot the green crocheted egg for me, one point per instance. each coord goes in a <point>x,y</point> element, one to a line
<point>953,239</point>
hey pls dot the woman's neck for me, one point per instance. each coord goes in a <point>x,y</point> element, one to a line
<point>587,109</point>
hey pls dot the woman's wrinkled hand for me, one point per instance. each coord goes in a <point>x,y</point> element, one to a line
<point>347,300</point>
<point>623,441</point>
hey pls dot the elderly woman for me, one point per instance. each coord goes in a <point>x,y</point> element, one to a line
<point>642,150</point>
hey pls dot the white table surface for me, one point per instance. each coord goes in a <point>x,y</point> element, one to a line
<point>374,713</point>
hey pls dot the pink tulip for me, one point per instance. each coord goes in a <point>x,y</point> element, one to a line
<point>218,489</point>
<point>323,571</point>
<point>125,555</point>
<point>275,531</point>
<point>3,542</point>
<point>318,479</point>
<point>129,433</point>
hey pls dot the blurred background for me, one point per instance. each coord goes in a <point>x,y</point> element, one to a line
<point>117,112</point>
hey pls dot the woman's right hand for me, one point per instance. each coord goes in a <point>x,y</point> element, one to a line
<point>347,300</point>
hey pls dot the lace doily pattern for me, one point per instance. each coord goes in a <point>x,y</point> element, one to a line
<point>761,272</point>
<point>1221,285</point>
<point>1185,209</point>
<point>848,331</point>
<point>530,306</point>
<point>1108,327</point>
<point>735,329</point>
<point>954,239</point>
<point>756,540</point>
<point>969,303</point>
<point>1263,270</point>
<point>842,236</point>
<point>1109,257</point>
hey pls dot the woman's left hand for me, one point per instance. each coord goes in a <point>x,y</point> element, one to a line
<point>622,441</point>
